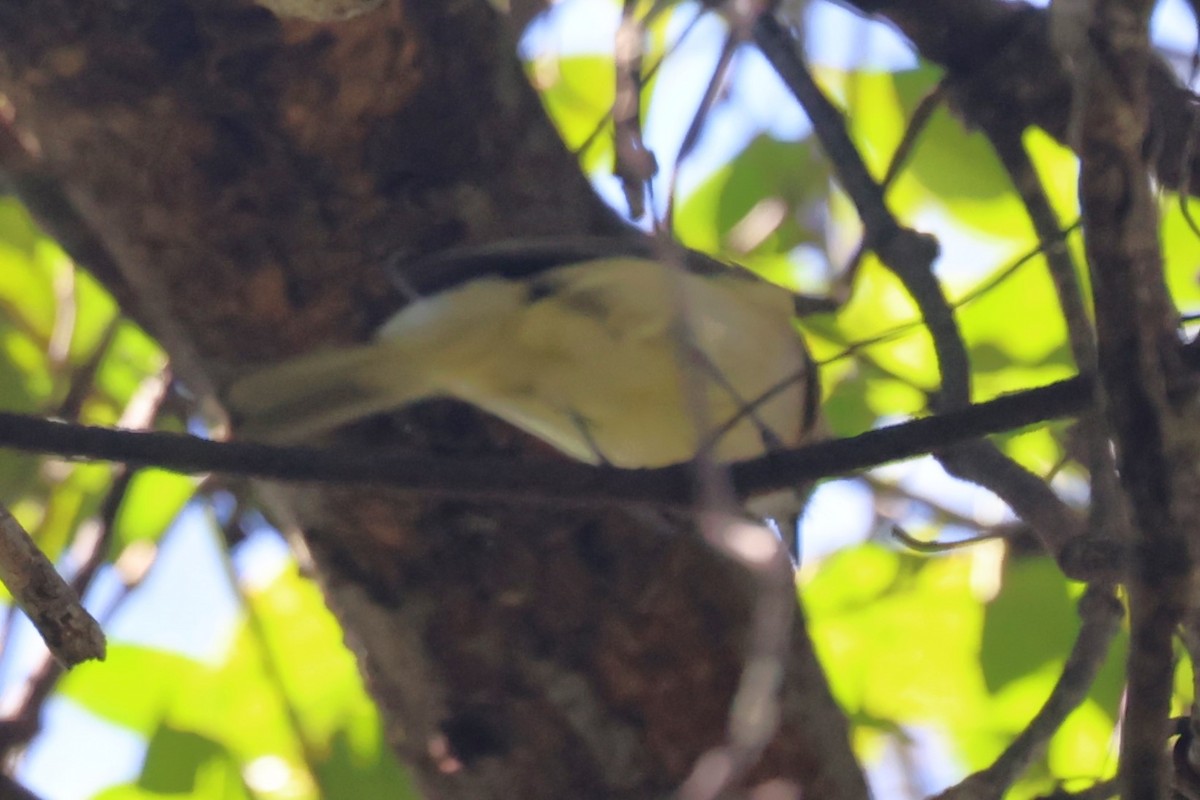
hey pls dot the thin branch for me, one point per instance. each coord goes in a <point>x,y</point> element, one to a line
<point>1058,526</point>
<point>635,163</point>
<point>1010,147</point>
<point>545,482</point>
<point>910,255</point>
<point>139,414</point>
<point>931,548</point>
<point>692,135</point>
<point>981,289</point>
<point>23,722</point>
<point>83,379</point>
<point>917,123</point>
<point>1108,514</point>
<point>1102,614</point>
<point>50,603</point>
<point>904,251</point>
<point>647,74</point>
<point>942,516</point>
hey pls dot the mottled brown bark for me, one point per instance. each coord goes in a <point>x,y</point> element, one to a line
<point>250,177</point>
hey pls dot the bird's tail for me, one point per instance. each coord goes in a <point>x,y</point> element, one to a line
<point>305,397</point>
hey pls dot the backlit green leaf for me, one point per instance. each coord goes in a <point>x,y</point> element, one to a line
<point>133,686</point>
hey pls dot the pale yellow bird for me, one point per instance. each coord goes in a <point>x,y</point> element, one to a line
<point>626,361</point>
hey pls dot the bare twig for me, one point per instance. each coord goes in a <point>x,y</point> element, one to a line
<point>942,515</point>
<point>692,135</point>
<point>981,289</point>
<point>647,74</point>
<point>635,163</point>
<point>1102,614</point>
<point>1057,525</point>
<point>50,603</point>
<point>140,414</point>
<point>929,548</point>
<point>1011,149</point>
<point>22,723</point>
<point>912,134</point>
<point>741,19</point>
<point>1108,513</point>
<point>83,379</point>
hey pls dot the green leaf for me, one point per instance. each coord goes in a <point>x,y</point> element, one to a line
<point>1007,356</point>
<point>950,166</point>
<point>95,310</point>
<point>130,360</point>
<point>253,703</point>
<point>317,673</point>
<point>953,163</point>
<point>1181,248</point>
<point>239,705</point>
<point>153,501</point>
<point>578,94</point>
<point>25,380</point>
<point>846,410</point>
<point>897,635</point>
<point>27,296</point>
<point>72,500</point>
<point>25,385</point>
<point>355,769</point>
<point>766,201</point>
<point>127,791</point>
<point>852,580</point>
<point>185,763</point>
<point>1083,745</point>
<point>1058,170</point>
<point>1108,690</point>
<point>314,673</point>
<point>1038,448</point>
<point>1034,589</point>
<point>133,687</point>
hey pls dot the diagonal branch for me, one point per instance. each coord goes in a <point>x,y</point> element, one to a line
<point>1100,541</point>
<point>53,607</point>
<point>1102,614</point>
<point>910,255</point>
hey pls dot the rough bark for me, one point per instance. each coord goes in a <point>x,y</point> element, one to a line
<point>250,177</point>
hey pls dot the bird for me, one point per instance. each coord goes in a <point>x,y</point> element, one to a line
<point>613,356</point>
